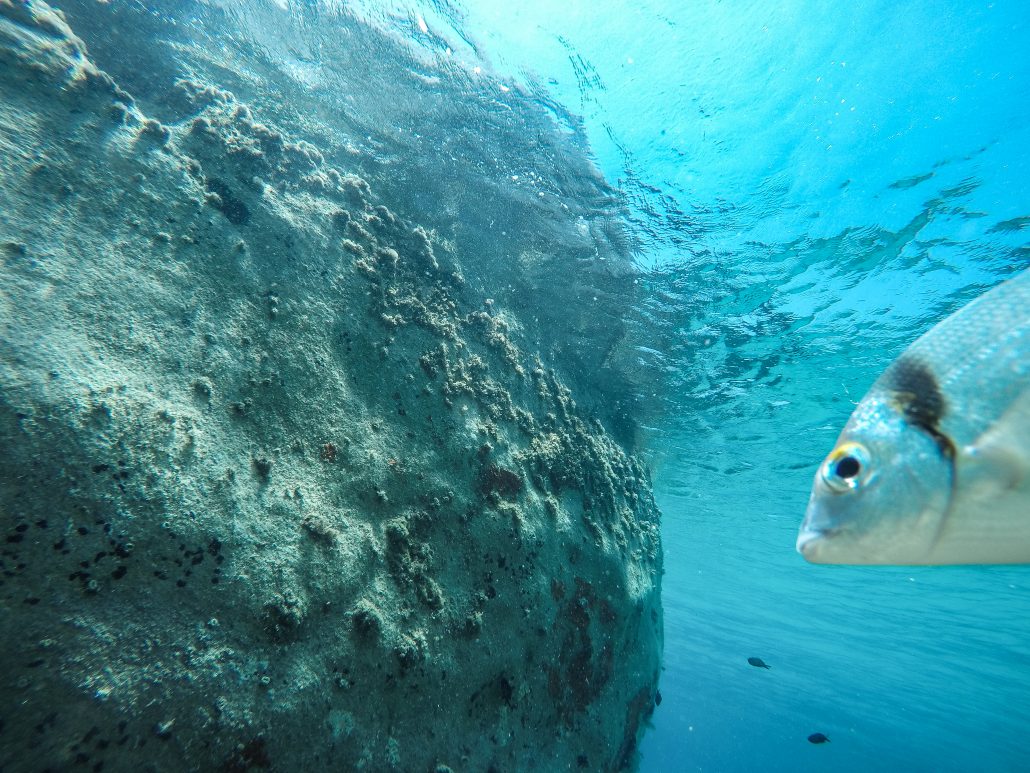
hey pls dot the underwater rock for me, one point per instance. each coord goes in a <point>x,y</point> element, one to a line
<point>275,489</point>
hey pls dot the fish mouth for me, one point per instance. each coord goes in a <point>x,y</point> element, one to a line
<point>810,541</point>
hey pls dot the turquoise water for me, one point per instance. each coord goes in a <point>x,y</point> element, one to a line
<point>814,185</point>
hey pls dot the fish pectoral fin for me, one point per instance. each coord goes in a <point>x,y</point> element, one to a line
<point>994,467</point>
<point>1000,457</point>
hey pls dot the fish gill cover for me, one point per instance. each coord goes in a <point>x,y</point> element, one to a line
<point>315,449</point>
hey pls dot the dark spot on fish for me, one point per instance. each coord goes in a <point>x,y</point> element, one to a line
<point>758,663</point>
<point>657,697</point>
<point>917,391</point>
<point>918,395</point>
<point>818,738</point>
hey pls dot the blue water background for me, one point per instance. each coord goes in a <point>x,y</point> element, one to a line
<point>814,185</point>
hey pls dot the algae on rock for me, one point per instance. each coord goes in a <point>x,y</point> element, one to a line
<point>293,470</point>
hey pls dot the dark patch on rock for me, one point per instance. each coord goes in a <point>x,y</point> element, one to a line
<point>411,652</point>
<point>409,559</point>
<point>262,466</point>
<point>366,620</point>
<point>235,211</point>
<point>557,589</point>
<point>501,481</point>
<point>492,695</point>
<point>638,711</point>
<point>320,530</point>
<point>253,754</point>
<point>282,620</point>
<point>585,660</point>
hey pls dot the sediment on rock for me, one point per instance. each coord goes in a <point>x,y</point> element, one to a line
<point>301,467</point>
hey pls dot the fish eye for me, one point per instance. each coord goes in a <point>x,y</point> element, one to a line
<point>845,467</point>
<point>848,467</point>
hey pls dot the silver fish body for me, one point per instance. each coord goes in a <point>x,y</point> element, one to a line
<point>933,467</point>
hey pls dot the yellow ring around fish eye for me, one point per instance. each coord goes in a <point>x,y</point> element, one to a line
<point>845,469</point>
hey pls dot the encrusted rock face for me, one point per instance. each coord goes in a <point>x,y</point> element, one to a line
<point>281,484</point>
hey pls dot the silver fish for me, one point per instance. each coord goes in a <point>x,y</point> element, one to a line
<point>933,467</point>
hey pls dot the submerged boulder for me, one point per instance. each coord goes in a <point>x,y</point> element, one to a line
<point>296,470</point>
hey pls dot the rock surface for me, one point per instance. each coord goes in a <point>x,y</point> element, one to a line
<point>307,463</point>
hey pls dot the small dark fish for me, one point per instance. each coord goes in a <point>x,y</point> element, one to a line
<point>658,698</point>
<point>758,663</point>
<point>818,738</point>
